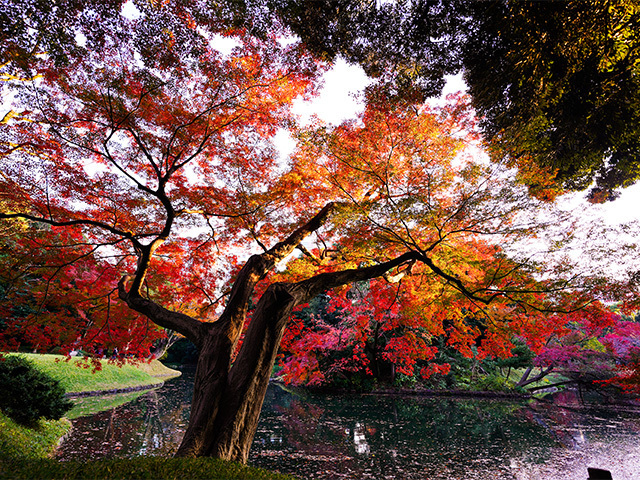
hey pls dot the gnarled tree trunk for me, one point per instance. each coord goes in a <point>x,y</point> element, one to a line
<point>228,394</point>
<point>228,398</point>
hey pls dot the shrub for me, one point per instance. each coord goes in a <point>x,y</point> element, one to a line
<point>405,381</point>
<point>491,383</point>
<point>27,394</point>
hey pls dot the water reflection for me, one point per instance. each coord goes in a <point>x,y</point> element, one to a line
<point>366,437</point>
<point>389,437</point>
<point>152,424</point>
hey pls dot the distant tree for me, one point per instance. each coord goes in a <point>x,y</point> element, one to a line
<point>557,87</point>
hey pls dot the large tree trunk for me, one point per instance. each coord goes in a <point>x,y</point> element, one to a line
<point>228,398</point>
<point>226,406</point>
<point>228,394</point>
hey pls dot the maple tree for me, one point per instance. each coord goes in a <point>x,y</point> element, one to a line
<point>160,180</point>
<point>575,348</point>
<point>56,294</point>
<point>555,83</point>
<point>372,332</point>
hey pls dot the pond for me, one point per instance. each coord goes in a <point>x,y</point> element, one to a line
<point>387,437</point>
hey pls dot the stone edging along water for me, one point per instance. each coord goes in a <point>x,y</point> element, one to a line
<point>112,391</point>
<point>452,393</point>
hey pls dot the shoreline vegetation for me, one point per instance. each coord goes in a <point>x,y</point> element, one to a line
<point>481,388</point>
<point>26,452</point>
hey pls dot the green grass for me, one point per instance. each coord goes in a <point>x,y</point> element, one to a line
<point>76,376</point>
<point>140,468</point>
<point>157,369</point>
<point>18,442</point>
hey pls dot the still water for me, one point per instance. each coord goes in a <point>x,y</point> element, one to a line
<point>383,437</point>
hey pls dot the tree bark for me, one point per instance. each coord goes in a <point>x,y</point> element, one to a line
<point>228,394</point>
<point>249,376</point>
<point>525,380</point>
<point>228,397</point>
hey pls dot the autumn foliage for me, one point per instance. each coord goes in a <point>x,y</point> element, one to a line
<point>143,192</point>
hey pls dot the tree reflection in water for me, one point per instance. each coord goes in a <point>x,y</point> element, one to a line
<point>367,436</point>
<point>152,424</point>
<point>363,437</point>
<point>374,437</point>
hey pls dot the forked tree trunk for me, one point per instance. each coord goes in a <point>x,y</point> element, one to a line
<point>228,398</point>
<point>228,395</point>
<point>226,406</point>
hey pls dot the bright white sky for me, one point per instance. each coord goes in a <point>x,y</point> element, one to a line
<point>339,100</point>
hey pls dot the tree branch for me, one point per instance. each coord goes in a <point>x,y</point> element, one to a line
<point>281,249</point>
<point>78,222</point>
<point>311,287</point>
<point>189,327</point>
<point>257,266</point>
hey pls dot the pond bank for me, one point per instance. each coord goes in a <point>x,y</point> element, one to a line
<point>25,454</point>
<point>25,450</point>
<point>452,393</point>
<point>113,391</point>
<point>408,392</point>
<point>79,377</point>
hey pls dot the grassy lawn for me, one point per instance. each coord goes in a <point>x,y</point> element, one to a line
<point>76,376</point>
<point>152,468</point>
<point>18,442</point>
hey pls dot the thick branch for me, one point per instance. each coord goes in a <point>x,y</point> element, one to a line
<point>281,249</point>
<point>551,385</point>
<point>525,380</point>
<point>181,323</point>
<point>311,287</point>
<point>455,281</point>
<point>395,278</point>
<point>259,265</point>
